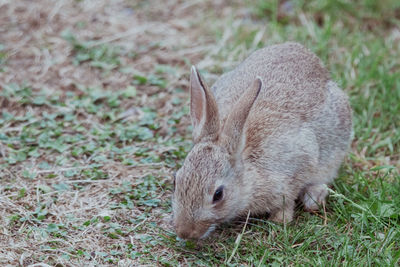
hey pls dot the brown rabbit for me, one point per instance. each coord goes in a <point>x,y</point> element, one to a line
<point>274,129</point>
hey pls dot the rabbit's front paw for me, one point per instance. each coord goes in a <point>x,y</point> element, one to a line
<point>284,215</point>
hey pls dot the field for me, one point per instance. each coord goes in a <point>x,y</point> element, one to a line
<point>95,120</point>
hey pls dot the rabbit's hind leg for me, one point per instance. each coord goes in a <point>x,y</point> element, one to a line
<point>314,196</point>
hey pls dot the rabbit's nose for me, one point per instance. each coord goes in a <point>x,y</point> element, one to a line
<point>183,234</point>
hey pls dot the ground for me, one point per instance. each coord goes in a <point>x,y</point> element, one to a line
<point>94,121</point>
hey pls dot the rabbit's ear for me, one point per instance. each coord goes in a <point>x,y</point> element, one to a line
<point>232,136</point>
<point>203,109</point>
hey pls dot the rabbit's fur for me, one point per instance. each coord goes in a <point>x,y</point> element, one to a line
<point>274,129</point>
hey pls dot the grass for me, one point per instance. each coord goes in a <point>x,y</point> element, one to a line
<point>94,120</point>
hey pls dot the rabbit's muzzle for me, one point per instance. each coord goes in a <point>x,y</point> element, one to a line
<point>193,230</point>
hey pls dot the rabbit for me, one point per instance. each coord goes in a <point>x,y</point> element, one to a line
<point>272,130</point>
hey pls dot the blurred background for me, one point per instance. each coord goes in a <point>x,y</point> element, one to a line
<point>94,120</point>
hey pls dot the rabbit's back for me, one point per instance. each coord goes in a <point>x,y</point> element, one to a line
<point>293,78</point>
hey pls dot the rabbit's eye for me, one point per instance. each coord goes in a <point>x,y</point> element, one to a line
<point>219,193</point>
<point>174,180</point>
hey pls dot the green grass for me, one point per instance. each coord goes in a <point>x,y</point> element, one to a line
<point>85,172</point>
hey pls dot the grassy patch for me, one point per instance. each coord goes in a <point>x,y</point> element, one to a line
<point>94,120</point>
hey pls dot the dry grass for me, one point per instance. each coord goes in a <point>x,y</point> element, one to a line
<point>38,56</point>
